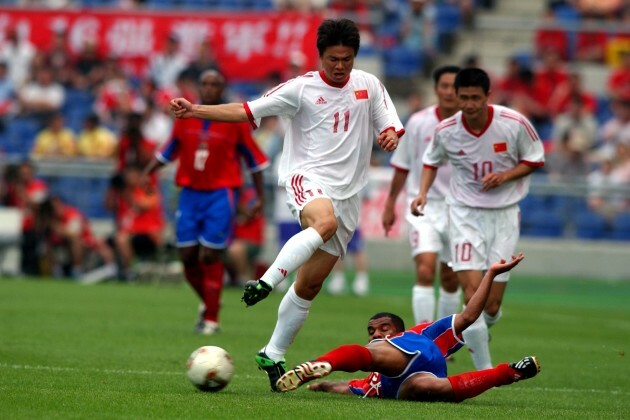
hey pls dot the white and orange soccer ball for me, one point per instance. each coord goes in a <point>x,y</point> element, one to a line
<point>210,368</point>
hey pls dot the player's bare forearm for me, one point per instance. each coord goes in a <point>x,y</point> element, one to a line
<point>477,302</point>
<point>495,179</point>
<point>233,112</point>
<point>428,177</point>
<point>398,182</point>
<point>338,387</point>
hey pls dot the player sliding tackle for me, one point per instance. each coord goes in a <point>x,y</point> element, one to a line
<point>410,364</point>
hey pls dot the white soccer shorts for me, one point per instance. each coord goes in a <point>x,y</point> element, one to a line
<point>301,191</point>
<point>429,233</point>
<point>481,237</point>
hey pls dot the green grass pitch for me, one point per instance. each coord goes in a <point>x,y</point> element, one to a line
<point>118,351</point>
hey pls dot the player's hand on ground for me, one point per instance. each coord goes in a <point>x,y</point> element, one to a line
<point>181,107</point>
<point>492,180</point>
<point>503,266</point>
<point>417,205</point>
<point>388,140</point>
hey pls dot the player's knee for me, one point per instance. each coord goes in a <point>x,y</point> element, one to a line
<point>326,227</point>
<point>209,256</point>
<point>422,388</point>
<point>425,275</point>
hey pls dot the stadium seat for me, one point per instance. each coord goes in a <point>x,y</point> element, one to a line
<point>402,62</point>
<point>589,225</point>
<point>542,223</point>
<point>603,112</point>
<point>20,136</point>
<point>620,229</point>
<point>448,21</point>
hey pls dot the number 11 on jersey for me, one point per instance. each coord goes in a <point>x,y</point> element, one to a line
<point>346,121</point>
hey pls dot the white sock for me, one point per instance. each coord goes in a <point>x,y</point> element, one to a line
<point>298,249</point>
<point>336,284</point>
<point>361,284</point>
<point>423,303</point>
<point>476,338</point>
<point>292,313</point>
<point>448,303</point>
<point>491,320</point>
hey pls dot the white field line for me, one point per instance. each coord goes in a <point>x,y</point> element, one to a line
<point>182,373</point>
<point>107,371</point>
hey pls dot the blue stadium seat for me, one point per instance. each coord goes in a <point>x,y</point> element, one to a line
<point>542,223</point>
<point>603,112</point>
<point>620,229</point>
<point>448,21</point>
<point>566,13</point>
<point>20,136</point>
<point>589,225</point>
<point>402,62</point>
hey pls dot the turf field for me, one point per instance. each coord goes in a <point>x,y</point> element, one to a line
<point>116,351</point>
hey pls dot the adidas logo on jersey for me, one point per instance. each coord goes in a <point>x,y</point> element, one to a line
<point>461,152</point>
<point>320,101</point>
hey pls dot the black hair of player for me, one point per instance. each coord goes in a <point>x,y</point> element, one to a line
<point>333,32</point>
<point>473,77</point>
<point>440,71</point>
<point>396,320</point>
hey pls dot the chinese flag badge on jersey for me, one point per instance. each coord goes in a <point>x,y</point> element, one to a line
<point>361,94</point>
<point>500,147</point>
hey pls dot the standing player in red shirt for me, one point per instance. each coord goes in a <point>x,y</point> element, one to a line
<point>209,173</point>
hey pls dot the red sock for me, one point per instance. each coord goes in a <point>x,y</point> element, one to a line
<point>212,287</point>
<point>471,384</point>
<point>350,358</point>
<point>194,277</point>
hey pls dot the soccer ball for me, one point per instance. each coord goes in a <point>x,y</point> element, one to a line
<point>210,368</point>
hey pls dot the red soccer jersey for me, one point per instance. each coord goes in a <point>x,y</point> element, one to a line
<point>73,221</point>
<point>210,153</point>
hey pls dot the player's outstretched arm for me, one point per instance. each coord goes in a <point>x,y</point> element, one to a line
<point>233,112</point>
<point>337,387</point>
<point>478,301</point>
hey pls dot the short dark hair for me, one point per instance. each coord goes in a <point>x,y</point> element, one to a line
<point>473,77</point>
<point>338,32</point>
<point>437,73</point>
<point>396,320</point>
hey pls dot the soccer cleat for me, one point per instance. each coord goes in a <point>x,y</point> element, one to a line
<point>255,291</point>
<point>273,369</point>
<point>525,368</point>
<point>301,374</point>
<point>207,328</point>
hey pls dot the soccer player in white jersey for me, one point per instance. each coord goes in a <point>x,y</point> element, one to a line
<point>428,236</point>
<point>332,117</point>
<point>492,150</point>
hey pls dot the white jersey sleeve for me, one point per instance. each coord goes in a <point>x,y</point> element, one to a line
<point>283,100</point>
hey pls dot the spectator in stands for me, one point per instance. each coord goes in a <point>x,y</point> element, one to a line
<point>564,94</point>
<point>619,79</point>
<point>89,67</point>
<point>550,73</point>
<point>95,140</point>
<point>134,148</point>
<point>7,96</point>
<point>513,88</point>
<point>67,231</point>
<point>55,141</point>
<point>42,97</point>
<point>417,30</point>
<point>203,61</point>
<point>59,58</point>
<point>601,182</point>
<point>140,232</point>
<point>578,120</point>
<point>617,129</point>
<point>115,98</point>
<point>18,53</point>
<point>568,162</point>
<point>600,9</point>
<point>167,65</point>
<point>26,192</point>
